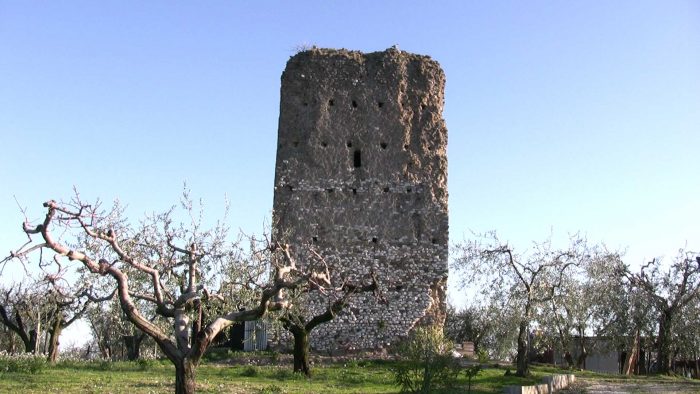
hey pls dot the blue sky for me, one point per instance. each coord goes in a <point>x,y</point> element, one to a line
<point>562,116</point>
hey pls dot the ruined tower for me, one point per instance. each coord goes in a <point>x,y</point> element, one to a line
<point>361,176</point>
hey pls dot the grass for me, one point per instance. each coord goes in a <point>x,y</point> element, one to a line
<point>158,377</point>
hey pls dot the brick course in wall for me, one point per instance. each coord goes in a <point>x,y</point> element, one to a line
<point>361,176</point>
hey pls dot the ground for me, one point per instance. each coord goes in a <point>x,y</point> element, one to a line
<point>593,386</point>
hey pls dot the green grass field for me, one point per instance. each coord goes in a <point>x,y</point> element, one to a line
<point>158,377</point>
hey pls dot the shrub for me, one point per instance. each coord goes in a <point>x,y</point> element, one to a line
<point>250,371</point>
<point>471,373</point>
<point>426,362</point>
<point>271,389</point>
<point>146,364</point>
<point>284,374</point>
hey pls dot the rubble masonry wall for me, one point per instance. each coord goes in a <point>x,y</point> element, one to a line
<point>361,176</point>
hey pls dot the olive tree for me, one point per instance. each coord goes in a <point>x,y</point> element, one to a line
<point>620,316</point>
<point>112,331</point>
<point>668,291</point>
<point>195,278</point>
<point>687,339</point>
<point>491,326</point>
<point>43,307</point>
<point>65,308</point>
<point>527,279</point>
<point>23,313</point>
<point>314,304</point>
<point>579,302</point>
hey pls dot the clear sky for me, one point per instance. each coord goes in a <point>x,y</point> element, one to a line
<point>562,116</point>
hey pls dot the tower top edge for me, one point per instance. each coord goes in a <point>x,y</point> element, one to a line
<point>353,55</point>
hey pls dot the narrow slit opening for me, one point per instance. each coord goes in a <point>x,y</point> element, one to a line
<point>357,159</point>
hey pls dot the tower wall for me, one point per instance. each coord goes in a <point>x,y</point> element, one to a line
<point>361,176</point>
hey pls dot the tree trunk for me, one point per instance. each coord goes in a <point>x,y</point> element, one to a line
<point>103,343</point>
<point>523,368</point>
<point>583,353</point>
<point>185,377</point>
<point>133,346</point>
<point>105,350</point>
<point>631,361</point>
<point>30,346</point>
<point>301,351</point>
<point>569,359</point>
<point>37,334</point>
<point>664,348</point>
<point>642,362</point>
<point>427,379</point>
<point>53,340</point>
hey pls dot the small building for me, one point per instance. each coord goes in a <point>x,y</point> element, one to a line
<point>255,336</point>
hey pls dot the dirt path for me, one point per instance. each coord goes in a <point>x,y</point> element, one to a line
<point>599,387</point>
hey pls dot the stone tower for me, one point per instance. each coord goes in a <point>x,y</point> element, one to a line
<point>361,176</point>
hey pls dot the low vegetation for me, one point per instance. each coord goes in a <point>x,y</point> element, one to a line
<point>157,377</point>
<point>232,376</point>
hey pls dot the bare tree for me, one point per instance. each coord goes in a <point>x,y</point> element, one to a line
<point>65,310</point>
<point>113,332</point>
<point>42,306</point>
<point>22,311</point>
<point>300,318</point>
<point>669,292</point>
<point>181,268</point>
<point>526,281</point>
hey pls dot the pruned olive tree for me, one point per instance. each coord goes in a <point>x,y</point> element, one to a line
<point>526,280</point>
<point>113,335</point>
<point>65,308</point>
<point>23,312</point>
<point>45,306</point>
<point>313,304</point>
<point>196,279</point>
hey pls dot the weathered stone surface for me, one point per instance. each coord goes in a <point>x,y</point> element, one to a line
<point>361,175</point>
